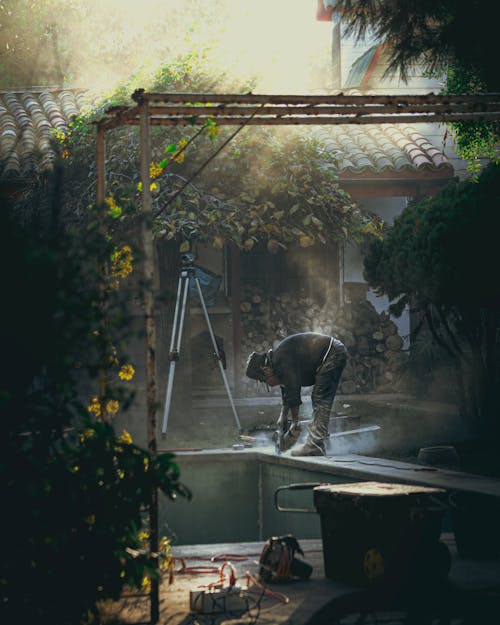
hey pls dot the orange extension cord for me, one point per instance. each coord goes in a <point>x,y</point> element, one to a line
<point>220,570</point>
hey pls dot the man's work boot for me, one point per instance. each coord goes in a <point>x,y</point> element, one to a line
<point>290,438</point>
<point>310,449</point>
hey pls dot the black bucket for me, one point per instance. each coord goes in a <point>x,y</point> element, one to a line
<point>373,532</point>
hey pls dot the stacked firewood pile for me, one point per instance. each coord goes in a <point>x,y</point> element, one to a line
<point>376,362</point>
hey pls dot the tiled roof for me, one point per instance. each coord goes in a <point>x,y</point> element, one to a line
<point>383,149</point>
<point>28,119</point>
<point>27,122</point>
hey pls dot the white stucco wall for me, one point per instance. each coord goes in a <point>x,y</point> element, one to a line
<point>387,209</point>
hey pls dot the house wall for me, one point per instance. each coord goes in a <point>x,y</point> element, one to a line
<point>387,209</point>
<point>346,51</point>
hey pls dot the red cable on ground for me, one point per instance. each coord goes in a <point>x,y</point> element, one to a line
<point>206,570</point>
<point>232,575</point>
<point>195,570</point>
<point>233,556</point>
<point>270,593</point>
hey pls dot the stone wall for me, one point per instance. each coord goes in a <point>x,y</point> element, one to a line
<point>376,362</point>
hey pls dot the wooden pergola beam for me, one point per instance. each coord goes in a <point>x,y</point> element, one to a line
<point>299,120</point>
<point>293,99</point>
<point>178,109</point>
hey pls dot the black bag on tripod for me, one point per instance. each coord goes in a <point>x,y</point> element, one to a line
<point>209,284</point>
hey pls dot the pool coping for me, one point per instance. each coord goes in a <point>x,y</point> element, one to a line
<point>357,467</point>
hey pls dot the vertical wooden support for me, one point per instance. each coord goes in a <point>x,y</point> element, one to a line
<point>100,197</point>
<point>149,313</point>
<point>100,160</point>
<point>236,315</point>
<point>341,273</point>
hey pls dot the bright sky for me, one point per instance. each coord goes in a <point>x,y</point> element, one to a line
<point>280,41</point>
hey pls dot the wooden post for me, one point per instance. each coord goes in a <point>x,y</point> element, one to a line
<point>149,314</point>
<point>100,197</point>
<point>100,167</point>
<point>236,315</point>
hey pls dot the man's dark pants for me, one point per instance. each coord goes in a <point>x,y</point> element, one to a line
<point>324,390</point>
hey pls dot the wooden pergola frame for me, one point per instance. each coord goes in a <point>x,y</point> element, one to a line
<point>179,109</point>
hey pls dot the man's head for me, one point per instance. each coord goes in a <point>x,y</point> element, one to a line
<point>256,367</point>
<point>259,367</point>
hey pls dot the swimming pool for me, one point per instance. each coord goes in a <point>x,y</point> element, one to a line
<point>233,497</point>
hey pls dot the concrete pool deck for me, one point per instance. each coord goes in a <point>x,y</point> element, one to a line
<point>472,589</point>
<point>235,492</point>
<point>354,466</point>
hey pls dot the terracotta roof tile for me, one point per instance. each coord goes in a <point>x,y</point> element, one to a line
<point>27,122</point>
<point>380,149</point>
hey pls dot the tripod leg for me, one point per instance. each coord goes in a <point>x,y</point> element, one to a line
<point>216,349</point>
<point>175,349</point>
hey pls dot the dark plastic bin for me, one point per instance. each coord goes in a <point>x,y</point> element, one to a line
<point>375,531</point>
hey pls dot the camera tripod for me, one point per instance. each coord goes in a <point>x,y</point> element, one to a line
<point>187,272</point>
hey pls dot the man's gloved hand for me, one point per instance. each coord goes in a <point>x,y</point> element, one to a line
<point>281,429</point>
<point>290,437</point>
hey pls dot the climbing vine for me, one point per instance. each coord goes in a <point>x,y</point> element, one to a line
<point>473,140</point>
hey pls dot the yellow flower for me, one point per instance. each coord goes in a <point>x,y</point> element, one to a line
<point>125,438</point>
<point>178,155</point>
<point>213,131</point>
<point>155,170</point>
<point>164,544</point>
<point>146,584</point>
<point>121,262</point>
<point>126,372</point>
<point>94,407</point>
<point>112,407</point>
<point>113,209</point>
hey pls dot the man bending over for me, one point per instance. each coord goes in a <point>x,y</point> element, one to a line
<point>305,359</point>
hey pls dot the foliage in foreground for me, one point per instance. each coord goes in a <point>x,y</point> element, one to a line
<point>75,492</point>
<point>438,258</point>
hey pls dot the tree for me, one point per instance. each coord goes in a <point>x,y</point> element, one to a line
<point>433,33</point>
<point>76,492</point>
<point>449,38</point>
<point>438,258</point>
<point>98,45</point>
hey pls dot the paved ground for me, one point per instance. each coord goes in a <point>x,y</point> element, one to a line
<point>470,595</point>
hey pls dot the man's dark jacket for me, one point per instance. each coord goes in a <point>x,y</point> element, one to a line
<point>296,360</point>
